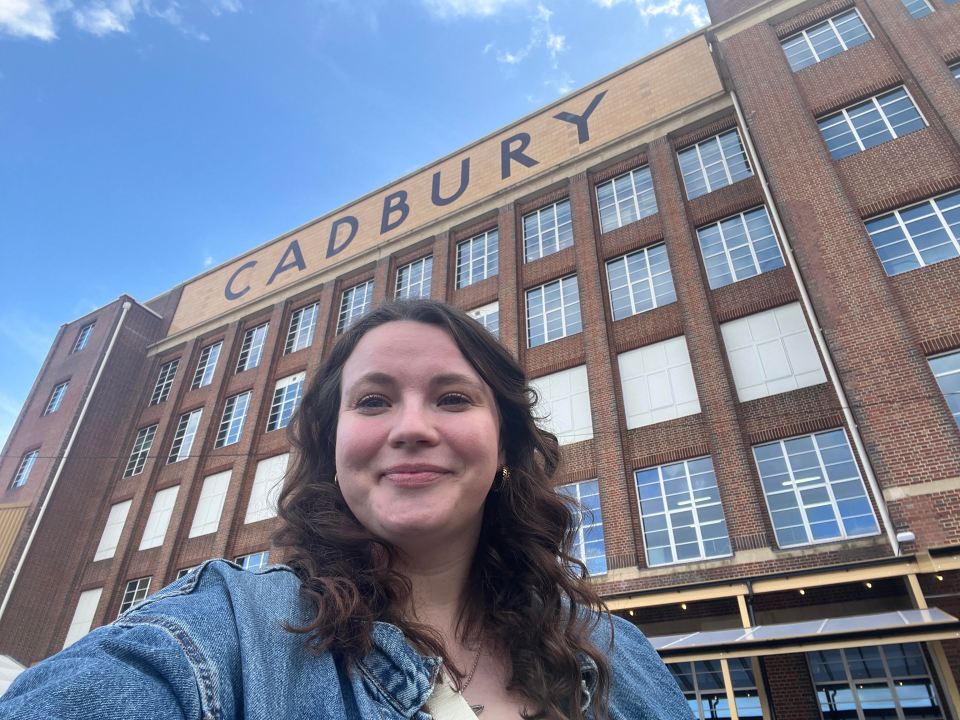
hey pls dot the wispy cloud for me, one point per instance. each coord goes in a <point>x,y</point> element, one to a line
<point>541,36</point>
<point>28,18</point>
<point>208,261</point>
<point>9,410</point>
<point>29,335</point>
<point>693,10</point>
<point>467,8</point>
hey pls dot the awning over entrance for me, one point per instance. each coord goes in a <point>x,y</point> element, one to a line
<point>821,634</point>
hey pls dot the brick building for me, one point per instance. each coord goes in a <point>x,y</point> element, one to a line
<point>731,270</point>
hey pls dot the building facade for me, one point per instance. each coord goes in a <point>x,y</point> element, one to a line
<point>732,271</point>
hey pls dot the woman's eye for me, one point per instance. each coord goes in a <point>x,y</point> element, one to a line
<point>454,400</point>
<point>371,402</point>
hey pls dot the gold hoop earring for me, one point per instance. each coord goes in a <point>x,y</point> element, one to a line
<point>504,474</point>
<point>336,481</point>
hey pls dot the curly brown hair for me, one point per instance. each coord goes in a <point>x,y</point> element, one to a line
<point>526,591</point>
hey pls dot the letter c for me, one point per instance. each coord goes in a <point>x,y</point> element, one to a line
<point>228,292</point>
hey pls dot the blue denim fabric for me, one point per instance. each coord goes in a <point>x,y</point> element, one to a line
<point>211,646</point>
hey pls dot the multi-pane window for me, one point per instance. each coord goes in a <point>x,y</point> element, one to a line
<point>681,512</point>
<point>477,258</point>
<point>168,371</point>
<point>825,39</point>
<point>626,198</point>
<point>267,484</point>
<point>251,350</point>
<point>917,8</point>
<point>183,571</point>
<point>701,682</point>
<point>919,235</point>
<point>640,281</point>
<point>813,489</point>
<point>588,545</point>
<point>414,279</point>
<point>206,518</point>
<point>771,352</point>
<point>135,591</point>
<point>83,615</point>
<point>657,383</point>
<point>876,120</point>
<point>56,398</point>
<point>354,304</point>
<point>231,424</point>
<point>159,519</point>
<point>713,163</point>
<point>141,450</point>
<point>302,324</point>
<point>83,337</point>
<point>183,437</point>
<point>739,247</point>
<point>112,530</point>
<point>946,369</point>
<point>488,316</point>
<point>206,366</point>
<point>563,404</point>
<point>254,561</point>
<point>547,230</point>
<point>887,681</point>
<point>286,397</point>
<point>553,311</point>
<point>24,468</point>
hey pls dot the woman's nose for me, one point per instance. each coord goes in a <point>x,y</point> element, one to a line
<point>414,424</point>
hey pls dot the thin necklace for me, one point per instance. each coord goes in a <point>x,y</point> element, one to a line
<point>477,709</point>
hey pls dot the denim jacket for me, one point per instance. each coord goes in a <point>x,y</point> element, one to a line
<point>211,646</point>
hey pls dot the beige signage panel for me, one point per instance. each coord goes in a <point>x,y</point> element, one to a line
<point>665,83</point>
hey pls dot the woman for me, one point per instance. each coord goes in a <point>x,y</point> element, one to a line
<point>430,572</point>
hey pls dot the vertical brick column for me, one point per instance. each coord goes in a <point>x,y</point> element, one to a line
<point>615,495</point>
<point>791,688</point>
<point>382,282</point>
<point>439,289</point>
<point>512,327</point>
<point>742,502</point>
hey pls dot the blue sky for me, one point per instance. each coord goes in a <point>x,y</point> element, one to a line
<point>142,141</point>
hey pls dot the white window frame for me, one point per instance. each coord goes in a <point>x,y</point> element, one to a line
<point>918,8</point>
<point>267,485</point>
<point>697,149</point>
<point>183,571</point>
<point>56,398</point>
<point>234,416</point>
<point>27,461</point>
<point>955,69</point>
<point>112,530</point>
<point>571,321</point>
<point>563,232</point>
<point>593,519</point>
<point>134,591</point>
<point>953,236</point>
<point>489,316</point>
<point>411,289</point>
<point>649,374</point>
<point>165,378</point>
<point>253,561</point>
<point>830,22</point>
<point>83,616</point>
<point>355,302</point>
<point>646,280</point>
<point>844,117</point>
<point>159,519</point>
<point>285,401</point>
<point>633,197</point>
<point>251,350</point>
<point>564,396</point>
<point>206,365</point>
<point>485,248</point>
<point>951,401</point>
<point>750,243</point>
<point>83,337</point>
<point>184,436</point>
<point>141,451</point>
<point>209,510</point>
<point>303,323</point>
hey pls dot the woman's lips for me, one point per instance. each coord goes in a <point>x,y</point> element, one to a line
<point>413,476</point>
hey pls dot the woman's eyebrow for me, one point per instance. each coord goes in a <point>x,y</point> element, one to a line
<point>374,378</point>
<point>455,379</point>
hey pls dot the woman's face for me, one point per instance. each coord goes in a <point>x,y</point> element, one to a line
<point>417,436</point>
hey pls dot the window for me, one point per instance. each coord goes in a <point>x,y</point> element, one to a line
<point>112,530</point>
<point>588,544</point>
<point>183,437</point>
<point>713,163</point>
<point>826,39</point>
<point>254,561</point>
<point>183,571</point>
<point>267,484</point>
<point>813,489</point>
<point>771,352</point>
<point>488,316</point>
<point>871,122</point>
<point>286,397</point>
<point>83,615</point>
<point>302,324</point>
<point>553,311</point>
<point>413,280</point>
<point>252,348</point>
<point>168,371</point>
<point>919,235</point>
<point>135,591</point>
<point>56,398</point>
<point>701,682</point>
<point>477,258</point>
<point>159,518</point>
<point>24,468</point>
<point>739,247</point>
<point>946,369</point>
<point>657,383</point>
<point>563,404</point>
<point>206,519</point>
<point>231,425</point>
<point>640,281</point>
<point>681,512</point>
<point>917,8</point>
<point>547,230</point>
<point>141,451</point>
<point>83,337</point>
<point>206,366</point>
<point>625,199</point>
<point>887,681</point>
<point>956,72</point>
<point>354,304</point>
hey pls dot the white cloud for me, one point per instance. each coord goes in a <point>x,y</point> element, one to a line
<point>27,18</point>
<point>208,261</point>
<point>30,335</point>
<point>541,36</point>
<point>102,18</point>
<point>693,10</point>
<point>9,410</point>
<point>218,7</point>
<point>467,8</point>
